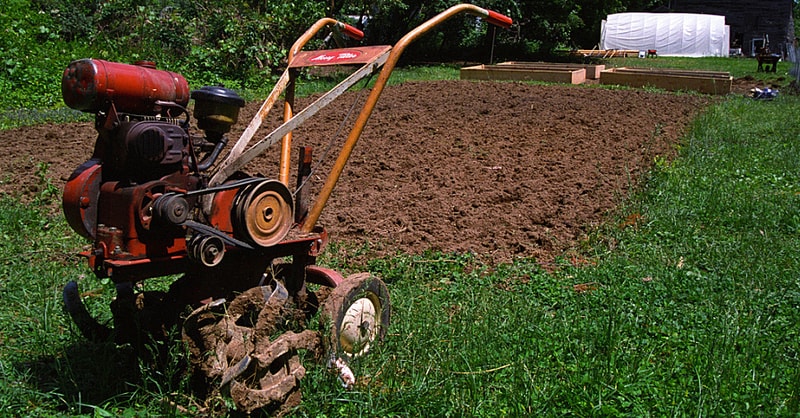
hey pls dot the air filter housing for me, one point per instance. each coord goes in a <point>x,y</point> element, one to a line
<point>216,110</point>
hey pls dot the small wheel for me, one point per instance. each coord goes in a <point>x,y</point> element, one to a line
<point>357,312</point>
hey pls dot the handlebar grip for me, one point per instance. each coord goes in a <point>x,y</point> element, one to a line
<point>499,19</point>
<point>352,32</point>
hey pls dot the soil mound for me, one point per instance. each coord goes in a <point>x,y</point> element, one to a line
<point>503,170</point>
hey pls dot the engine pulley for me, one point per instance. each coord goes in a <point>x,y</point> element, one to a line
<point>171,208</point>
<point>263,213</point>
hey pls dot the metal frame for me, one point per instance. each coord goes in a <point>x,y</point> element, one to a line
<point>386,59</point>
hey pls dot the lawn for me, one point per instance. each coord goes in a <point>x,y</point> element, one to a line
<point>684,303</point>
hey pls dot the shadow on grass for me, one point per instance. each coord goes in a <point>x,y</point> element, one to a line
<point>85,375</point>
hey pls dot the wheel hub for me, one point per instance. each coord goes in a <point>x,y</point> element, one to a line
<point>359,327</point>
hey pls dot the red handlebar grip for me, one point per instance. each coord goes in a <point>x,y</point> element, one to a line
<point>352,32</point>
<point>498,19</point>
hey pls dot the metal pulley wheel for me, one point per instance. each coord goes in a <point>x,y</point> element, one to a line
<point>357,312</point>
<point>206,249</point>
<point>263,213</point>
<point>171,209</point>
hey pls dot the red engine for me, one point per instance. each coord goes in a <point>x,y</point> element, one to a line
<point>139,196</point>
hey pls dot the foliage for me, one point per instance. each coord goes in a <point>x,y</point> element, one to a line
<point>28,44</point>
<point>224,39</point>
<point>242,43</point>
<point>230,42</point>
<point>796,14</point>
<point>540,27</point>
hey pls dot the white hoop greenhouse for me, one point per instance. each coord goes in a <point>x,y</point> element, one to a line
<point>670,34</point>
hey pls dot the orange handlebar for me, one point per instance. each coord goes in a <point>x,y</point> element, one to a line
<point>346,29</point>
<point>325,193</point>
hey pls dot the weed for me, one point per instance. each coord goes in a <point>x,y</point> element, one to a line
<point>48,192</point>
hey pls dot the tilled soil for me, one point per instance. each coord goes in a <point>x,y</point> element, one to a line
<point>503,170</point>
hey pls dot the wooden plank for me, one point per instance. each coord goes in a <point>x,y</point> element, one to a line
<point>700,81</point>
<point>606,53</point>
<point>496,72</point>
<point>669,71</point>
<point>592,70</point>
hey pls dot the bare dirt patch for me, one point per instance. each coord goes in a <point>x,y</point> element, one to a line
<point>503,170</point>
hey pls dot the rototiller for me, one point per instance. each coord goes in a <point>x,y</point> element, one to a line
<point>157,200</point>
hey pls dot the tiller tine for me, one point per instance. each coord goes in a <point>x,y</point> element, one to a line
<point>88,326</point>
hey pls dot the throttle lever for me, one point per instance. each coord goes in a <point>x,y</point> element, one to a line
<point>350,31</point>
<point>498,19</point>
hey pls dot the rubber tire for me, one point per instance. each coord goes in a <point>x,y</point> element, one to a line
<point>335,307</point>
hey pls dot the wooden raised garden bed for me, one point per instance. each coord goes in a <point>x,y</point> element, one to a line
<point>709,82</point>
<point>524,73</point>
<point>592,70</point>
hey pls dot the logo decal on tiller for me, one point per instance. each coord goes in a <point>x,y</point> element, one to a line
<point>333,58</point>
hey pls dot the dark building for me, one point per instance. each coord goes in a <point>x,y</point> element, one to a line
<point>753,23</point>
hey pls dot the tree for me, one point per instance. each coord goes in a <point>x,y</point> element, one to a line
<point>541,26</point>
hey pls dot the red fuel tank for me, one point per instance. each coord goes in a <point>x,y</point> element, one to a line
<point>91,85</point>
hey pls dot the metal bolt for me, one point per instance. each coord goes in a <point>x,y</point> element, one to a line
<point>268,213</point>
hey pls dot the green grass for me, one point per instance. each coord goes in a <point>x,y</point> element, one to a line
<point>311,83</point>
<point>693,309</point>
<point>26,117</point>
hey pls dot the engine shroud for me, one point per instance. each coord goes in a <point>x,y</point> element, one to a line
<point>146,150</point>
